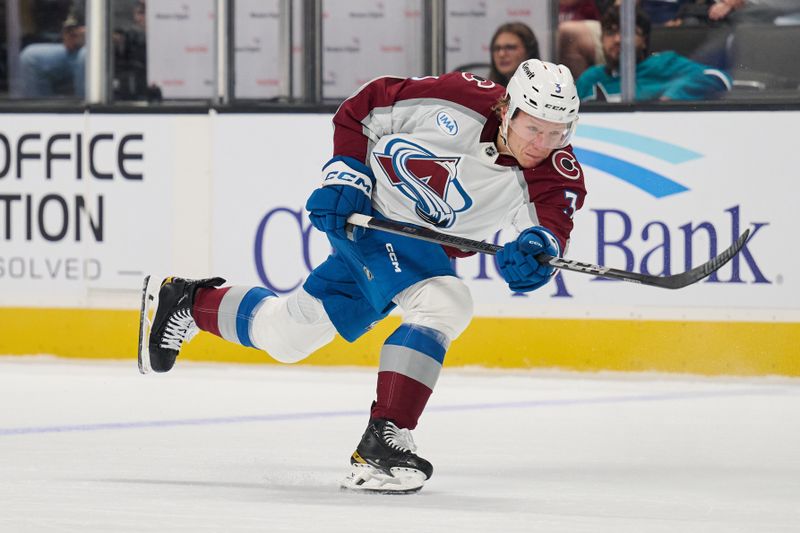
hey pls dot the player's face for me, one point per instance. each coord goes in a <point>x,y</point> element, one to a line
<point>532,139</point>
<point>508,51</point>
<point>535,138</point>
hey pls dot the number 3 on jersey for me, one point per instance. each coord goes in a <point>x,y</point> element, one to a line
<point>482,83</point>
<point>572,198</point>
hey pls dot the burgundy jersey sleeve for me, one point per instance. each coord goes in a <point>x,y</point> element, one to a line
<point>557,190</point>
<point>370,113</point>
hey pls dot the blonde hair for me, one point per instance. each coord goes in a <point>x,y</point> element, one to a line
<point>501,105</point>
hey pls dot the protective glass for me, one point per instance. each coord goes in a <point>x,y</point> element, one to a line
<point>541,132</point>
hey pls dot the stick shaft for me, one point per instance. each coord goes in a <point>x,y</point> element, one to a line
<point>675,281</point>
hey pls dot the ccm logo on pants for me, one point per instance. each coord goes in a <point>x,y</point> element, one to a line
<point>393,257</point>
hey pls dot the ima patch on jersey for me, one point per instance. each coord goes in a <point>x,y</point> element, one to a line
<point>430,181</point>
<point>447,123</point>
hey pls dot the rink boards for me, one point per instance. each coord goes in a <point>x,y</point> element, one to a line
<point>88,203</point>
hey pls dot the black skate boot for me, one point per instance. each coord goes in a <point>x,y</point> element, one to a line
<point>161,338</point>
<point>385,462</point>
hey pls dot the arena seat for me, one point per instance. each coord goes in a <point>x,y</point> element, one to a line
<point>764,56</point>
<point>688,41</point>
<point>479,69</point>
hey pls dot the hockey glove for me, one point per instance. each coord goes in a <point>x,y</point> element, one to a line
<point>346,189</point>
<point>517,260</point>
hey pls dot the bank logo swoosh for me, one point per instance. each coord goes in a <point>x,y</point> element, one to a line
<point>649,181</point>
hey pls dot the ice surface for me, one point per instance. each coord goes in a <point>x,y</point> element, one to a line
<point>94,446</point>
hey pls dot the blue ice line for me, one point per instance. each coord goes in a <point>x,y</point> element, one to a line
<point>663,150</point>
<point>5,432</point>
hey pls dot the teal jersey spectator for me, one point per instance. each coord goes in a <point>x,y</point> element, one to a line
<point>662,76</point>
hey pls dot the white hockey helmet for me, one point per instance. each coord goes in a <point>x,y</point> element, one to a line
<point>545,91</point>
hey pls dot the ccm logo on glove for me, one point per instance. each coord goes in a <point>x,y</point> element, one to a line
<point>537,246</point>
<point>341,176</point>
<point>534,240</point>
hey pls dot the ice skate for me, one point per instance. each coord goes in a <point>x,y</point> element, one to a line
<point>165,320</point>
<point>385,463</point>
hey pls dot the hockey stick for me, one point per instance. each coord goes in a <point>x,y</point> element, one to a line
<point>675,281</point>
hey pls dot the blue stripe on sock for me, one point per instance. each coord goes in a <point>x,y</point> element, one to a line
<point>422,339</point>
<point>243,315</point>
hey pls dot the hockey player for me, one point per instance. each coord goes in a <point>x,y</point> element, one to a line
<point>454,152</point>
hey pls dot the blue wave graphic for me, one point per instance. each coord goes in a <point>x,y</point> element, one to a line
<point>647,145</point>
<point>651,182</point>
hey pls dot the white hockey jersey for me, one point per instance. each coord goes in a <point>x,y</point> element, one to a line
<point>430,144</point>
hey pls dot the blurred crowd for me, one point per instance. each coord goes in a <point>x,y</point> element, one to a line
<point>52,59</point>
<point>685,49</point>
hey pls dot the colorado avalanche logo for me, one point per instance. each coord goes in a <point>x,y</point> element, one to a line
<point>566,164</point>
<point>426,179</point>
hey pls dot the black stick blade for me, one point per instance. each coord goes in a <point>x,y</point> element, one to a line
<point>676,281</point>
<point>701,272</point>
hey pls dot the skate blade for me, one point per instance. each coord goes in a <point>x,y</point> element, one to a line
<point>368,479</point>
<point>149,304</point>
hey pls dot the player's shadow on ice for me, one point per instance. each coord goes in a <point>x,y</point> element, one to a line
<point>314,492</point>
<point>183,483</point>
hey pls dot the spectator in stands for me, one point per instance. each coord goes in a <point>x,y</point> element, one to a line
<point>579,35</point>
<point>753,11</point>
<point>57,69</point>
<point>130,59</point>
<point>512,43</point>
<point>663,12</point>
<point>579,42</point>
<point>662,76</point>
<point>577,10</point>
